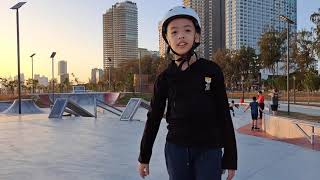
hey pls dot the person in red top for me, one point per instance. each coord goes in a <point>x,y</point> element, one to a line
<point>261,104</point>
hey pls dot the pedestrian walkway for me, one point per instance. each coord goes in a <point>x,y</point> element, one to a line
<point>34,147</point>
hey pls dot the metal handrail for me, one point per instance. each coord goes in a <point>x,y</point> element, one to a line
<point>96,104</point>
<point>98,100</point>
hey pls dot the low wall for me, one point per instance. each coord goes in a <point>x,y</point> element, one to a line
<point>282,127</point>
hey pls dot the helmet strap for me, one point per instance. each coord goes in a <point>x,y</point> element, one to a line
<point>184,57</point>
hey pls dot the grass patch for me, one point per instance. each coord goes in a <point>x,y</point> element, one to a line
<point>124,98</point>
<point>301,116</point>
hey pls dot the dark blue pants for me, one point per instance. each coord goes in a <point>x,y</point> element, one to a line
<point>185,163</point>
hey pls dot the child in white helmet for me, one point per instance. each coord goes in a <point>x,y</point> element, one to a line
<point>199,122</point>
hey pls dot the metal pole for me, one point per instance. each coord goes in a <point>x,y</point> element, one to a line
<point>288,68</point>
<point>140,85</point>
<point>52,81</point>
<point>312,135</point>
<point>32,74</point>
<point>294,90</point>
<point>95,107</point>
<point>18,53</point>
<point>242,79</point>
<point>109,74</point>
<point>109,78</point>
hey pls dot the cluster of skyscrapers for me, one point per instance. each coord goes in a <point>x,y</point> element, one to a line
<point>226,24</point>
<point>43,80</point>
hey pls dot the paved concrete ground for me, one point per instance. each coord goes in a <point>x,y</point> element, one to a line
<point>33,147</point>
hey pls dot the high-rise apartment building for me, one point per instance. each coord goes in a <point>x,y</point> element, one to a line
<point>96,75</point>
<point>120,34</point>
<point>212,17</point>
<point>162,44</point>
<point>42,81</point>
<point>63,71</point>
<point>62,67</point>
<point>246,20</point>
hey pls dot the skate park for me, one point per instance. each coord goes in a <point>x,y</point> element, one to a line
<point>35,146</point>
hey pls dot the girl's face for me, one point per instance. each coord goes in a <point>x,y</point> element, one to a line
<point>181,34</point>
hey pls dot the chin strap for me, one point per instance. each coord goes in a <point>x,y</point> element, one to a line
<point>184,57</point>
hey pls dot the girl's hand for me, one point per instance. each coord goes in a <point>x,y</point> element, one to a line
<point>231,174</point>
<point>143,169</point>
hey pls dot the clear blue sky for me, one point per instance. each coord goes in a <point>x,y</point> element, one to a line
<point>73,28</point>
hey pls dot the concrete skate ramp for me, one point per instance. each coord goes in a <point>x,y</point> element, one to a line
<point>27,107</point>
<point>78,109</point>
<point>85,98</point>
<point>4,105</point>
<point>132,107</point>
<point>60,106</point>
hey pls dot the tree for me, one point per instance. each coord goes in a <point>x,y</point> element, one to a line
<point>65,85</point>
<point>4,82</point>
<point>35,84</point>
<point>12,85</point>
<point>315,18</point>
<point>245,63</point>
<point>76,79</point>
<point>311,82</point>
<point>272,48</point>
<point>303,51</point>
<point>254,64</point>
<point>158,66</point>
<point>223,58</point>
<point>29,84</point>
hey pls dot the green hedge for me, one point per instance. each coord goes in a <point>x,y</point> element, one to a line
<point>125,97</point>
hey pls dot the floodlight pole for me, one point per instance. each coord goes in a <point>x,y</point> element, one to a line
<point>16,7</point>
<point>32,71</point>
<point>289,21</point>
<point>52,57</point>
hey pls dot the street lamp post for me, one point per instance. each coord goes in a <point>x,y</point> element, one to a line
<point>52,57</point>
<point>16,7</point>
<point>109,59</point>
<point>242,79</point>
<point>140,81</point>
<point>32,71</point>
<point>294,89</point>
<point>289,21</point>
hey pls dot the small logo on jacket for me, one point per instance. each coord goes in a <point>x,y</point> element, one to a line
<point>208,82</point>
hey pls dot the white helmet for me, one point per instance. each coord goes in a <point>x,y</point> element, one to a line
<point>177,12</point>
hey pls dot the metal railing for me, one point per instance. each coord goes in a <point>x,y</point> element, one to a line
<point>105,106</point>
<point>313,125</point>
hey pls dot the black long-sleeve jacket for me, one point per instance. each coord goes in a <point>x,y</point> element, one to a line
<point>197,111</point>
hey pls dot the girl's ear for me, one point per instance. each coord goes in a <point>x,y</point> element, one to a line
<point>197,38</point>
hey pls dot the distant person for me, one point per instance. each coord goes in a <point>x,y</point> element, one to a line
<point>261,104</point>
<point>274,101</point>
<point>231,107</point>
<point>254,107</point>
<point>200,142</point>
